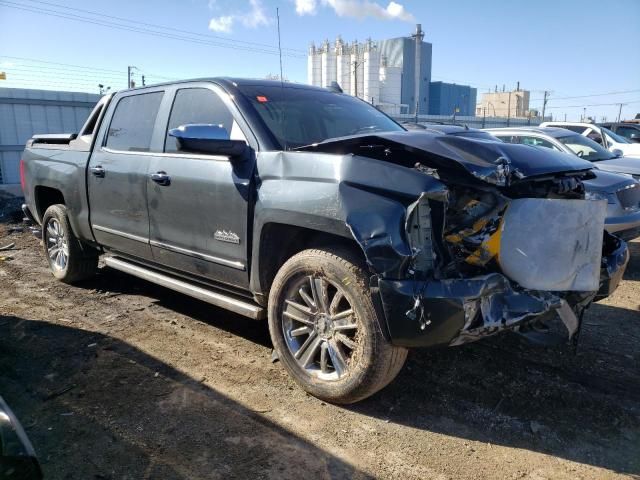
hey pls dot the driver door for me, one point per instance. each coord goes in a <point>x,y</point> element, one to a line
<point>198,216</point>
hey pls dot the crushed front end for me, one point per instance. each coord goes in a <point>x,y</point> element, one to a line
<point>512,255</point>
<point>501,237</point>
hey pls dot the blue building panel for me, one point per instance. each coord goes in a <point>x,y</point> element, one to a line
<point>450,98</point>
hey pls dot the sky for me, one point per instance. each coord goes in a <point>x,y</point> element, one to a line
<point>582,49</point>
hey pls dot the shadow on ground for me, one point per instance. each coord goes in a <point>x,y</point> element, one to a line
<point>166,426</point>
<point>580,405</point>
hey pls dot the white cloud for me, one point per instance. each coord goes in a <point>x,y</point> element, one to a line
<point>253,18</point>
<point>256,17</point>
<point>357,9</point>
<point>306,7</point>
<point>221,24</point>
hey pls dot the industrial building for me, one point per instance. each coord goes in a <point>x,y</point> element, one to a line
<point>450,99</point>
<point>25,112</point>
<point>511,104</point>
<point>383,72</point>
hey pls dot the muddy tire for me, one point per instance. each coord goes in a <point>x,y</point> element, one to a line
<point>325,330</point>
<point>70,261</point>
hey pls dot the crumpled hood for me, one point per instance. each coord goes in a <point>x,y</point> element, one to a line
<point>496,162</point>
<point>620,165</point>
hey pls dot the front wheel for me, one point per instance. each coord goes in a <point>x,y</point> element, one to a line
<point>69,260</point>
<point>325,330</point>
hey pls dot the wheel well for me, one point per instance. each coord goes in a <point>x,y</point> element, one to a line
<point>45,197</point>
<point>279,242</point>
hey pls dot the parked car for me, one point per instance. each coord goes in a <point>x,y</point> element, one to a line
<point>355,238</point>
<point>609,140</point>
<point>621,191</point>
<point>630,131</point>
<point>563,140</point>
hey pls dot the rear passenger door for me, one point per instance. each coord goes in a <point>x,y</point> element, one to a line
<point>117,173</point>
<point>199,217</point>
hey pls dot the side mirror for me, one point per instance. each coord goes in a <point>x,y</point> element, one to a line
<point>617,152</point>
<point>635,137</point>
<point>207,138</point>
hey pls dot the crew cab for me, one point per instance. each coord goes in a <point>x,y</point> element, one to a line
<point>354,238</point>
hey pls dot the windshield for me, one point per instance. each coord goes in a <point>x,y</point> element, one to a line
<point>585,147</point>
<point>302,116</point>
<point>616,138</point>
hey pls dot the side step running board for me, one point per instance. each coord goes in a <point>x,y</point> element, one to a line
<point>242,307</point>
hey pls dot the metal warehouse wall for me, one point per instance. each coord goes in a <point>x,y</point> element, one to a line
<point>24,112</point>
<point>444,98</point>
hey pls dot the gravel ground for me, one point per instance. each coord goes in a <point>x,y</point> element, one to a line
<point>119,379</point>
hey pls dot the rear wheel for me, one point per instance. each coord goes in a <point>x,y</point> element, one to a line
<point>69,260</point>
<point>324,327</point>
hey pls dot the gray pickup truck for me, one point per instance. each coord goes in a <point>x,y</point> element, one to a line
<point>355,238</point>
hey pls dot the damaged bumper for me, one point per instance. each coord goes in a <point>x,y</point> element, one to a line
<point>458,311</point>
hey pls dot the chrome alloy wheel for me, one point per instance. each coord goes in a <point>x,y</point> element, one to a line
<point>57,245</point>
<point>320,327</point>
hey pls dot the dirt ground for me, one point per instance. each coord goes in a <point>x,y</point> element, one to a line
<point>119,379</point>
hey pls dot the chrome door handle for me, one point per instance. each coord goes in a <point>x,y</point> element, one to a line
<point>161,178</point>
<point>98,171</point>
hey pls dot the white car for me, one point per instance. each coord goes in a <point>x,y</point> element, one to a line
<point>605,137</point>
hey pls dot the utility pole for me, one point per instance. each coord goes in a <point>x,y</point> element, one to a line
<point>130,82</point>
<point>418,37</point>
<point>620,112</point>
<point>544,103</point>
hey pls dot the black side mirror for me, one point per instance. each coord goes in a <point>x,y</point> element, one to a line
<point>206,138</point>
<point>635,137</point>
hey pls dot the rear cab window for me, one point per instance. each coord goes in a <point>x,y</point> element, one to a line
<point>133,121</point>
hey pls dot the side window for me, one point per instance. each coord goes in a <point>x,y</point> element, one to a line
<point>199,105</point>
<point>508,138</point>
<point>574,128</point>
<point>537,142</point>
<point>132,123</point>
<point>626,131</point>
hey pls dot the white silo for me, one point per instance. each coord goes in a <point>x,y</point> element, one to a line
<point>343,61</point>
<point>314,68</point>
<point>328,64</point>
<point>390,83</point>
<point>371,73</point>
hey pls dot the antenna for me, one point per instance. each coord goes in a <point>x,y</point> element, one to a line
<point>284,139</point>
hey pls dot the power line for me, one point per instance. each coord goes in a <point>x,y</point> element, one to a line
<point>115,25</point>
<point>620,92</point>
<point>164,27</point>
<point>593,104</point>
<point>57,63</point>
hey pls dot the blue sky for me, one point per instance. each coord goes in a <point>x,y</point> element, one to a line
<point>573,48</point>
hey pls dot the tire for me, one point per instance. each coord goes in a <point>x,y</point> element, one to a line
<point>308,333</point>
<point>69,260</point>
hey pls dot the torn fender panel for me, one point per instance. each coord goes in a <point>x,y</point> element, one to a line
<point>378,224</point>
<point>457,311</point>
<point>496,163</point>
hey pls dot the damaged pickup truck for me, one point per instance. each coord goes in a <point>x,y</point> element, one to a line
<point>355,238</point>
